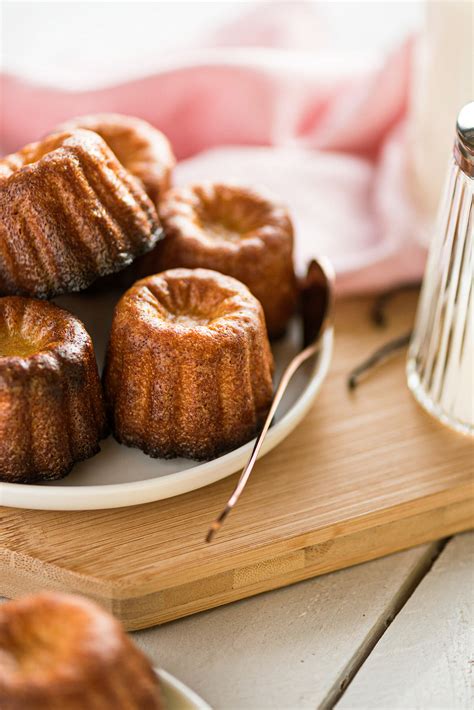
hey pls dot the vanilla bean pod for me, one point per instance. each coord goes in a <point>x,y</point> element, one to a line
<point>378,316</point>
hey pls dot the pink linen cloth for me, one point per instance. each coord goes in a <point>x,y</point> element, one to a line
<point>326,139</point>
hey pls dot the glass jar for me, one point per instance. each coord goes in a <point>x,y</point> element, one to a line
<point>440,366</point>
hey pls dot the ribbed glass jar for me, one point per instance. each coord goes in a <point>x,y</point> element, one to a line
<point>440,366</point>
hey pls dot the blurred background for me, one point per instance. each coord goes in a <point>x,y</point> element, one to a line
<point>91,43</point>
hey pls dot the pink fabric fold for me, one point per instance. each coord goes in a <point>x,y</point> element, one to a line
<point>326,138</point>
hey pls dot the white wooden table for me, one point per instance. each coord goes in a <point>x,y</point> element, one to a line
<point>393,633</point>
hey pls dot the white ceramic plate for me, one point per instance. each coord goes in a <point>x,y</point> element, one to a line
<point>177,696</point>
<point>120,476</point>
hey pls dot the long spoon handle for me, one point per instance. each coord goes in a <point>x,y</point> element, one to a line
<point>244,476</point>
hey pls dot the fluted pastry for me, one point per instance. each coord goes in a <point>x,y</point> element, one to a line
<point>63,652</point>
<point>141,148</point>
<point>51,406</point>
<point>189,367</point>
<point>237,231</point>
<point>69,213</point>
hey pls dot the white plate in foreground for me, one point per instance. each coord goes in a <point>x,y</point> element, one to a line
<point>119,476</point>
<point>177,696</point>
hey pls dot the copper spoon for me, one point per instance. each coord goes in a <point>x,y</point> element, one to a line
<point>317,302</point>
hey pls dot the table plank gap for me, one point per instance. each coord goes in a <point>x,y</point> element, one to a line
<point>386,618</point>
<point>424,660</point>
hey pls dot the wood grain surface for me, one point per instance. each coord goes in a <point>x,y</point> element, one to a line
<point>366,474</point>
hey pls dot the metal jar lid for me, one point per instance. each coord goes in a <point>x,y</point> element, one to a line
<point>464,144</point>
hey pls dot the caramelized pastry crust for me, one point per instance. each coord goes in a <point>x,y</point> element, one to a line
<point>51,406</point>
<point>60,652</point>
<point>69,213</point>
<point>141,148</point>
<point>236,231</point>
<point>189,366</point>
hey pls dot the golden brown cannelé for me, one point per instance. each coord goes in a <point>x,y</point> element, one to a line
<point>237,231</point>
<point>69,213</point>
<point>141,148</point>
<point>51,405</point>
<point>189,366</point>
<point>63,652</point>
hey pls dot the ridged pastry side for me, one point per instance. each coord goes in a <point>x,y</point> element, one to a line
<point>235,230</point>
<point>189,366</point>
<point>141,148</point>
<point>51,405</point>
<point>61,652</point>
<point>69,213</point>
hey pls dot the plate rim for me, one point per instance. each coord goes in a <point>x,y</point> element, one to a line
<point>177,685</point>
<point>130,493</point>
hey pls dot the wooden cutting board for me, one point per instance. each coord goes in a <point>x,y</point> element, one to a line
<point>367,473</point>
